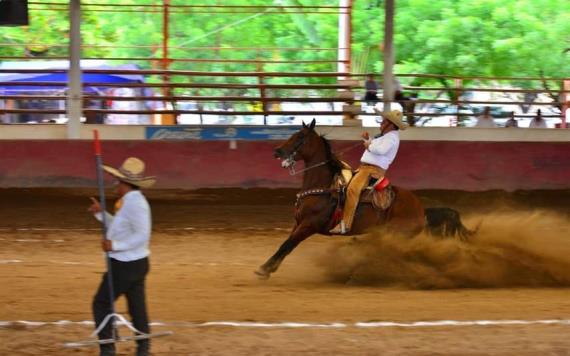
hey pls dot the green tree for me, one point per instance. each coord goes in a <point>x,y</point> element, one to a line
<point>463,38</point>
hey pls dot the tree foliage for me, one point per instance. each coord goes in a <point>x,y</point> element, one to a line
<point>457,37</point>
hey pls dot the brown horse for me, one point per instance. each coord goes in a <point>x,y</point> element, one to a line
<point>317,201</point>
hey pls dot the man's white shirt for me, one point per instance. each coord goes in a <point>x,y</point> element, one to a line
<point>130,228</point>
<point>485,122</point>
<point>382,150</point>
<point>535,124</point>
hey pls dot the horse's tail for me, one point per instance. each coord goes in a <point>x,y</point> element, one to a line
<point>446,222</point>
<point>465,234</point>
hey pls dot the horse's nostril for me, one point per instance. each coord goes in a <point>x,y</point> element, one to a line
<point>278,153</point>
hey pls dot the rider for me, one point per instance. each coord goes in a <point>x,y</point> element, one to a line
<point>379,154</point>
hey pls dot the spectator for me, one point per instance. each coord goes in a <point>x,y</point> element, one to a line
<point>371,86</point>
<point>256,106</point>
<point>4,118</point>
<point>538,122</point>
<point>226,106</point>
<point>512,122</point>
<point>92,117</point>
<point>123,105</point>
<point>486,120</point>
<point>407,102</point>
<point>399,95</point>
<point>409,107</point>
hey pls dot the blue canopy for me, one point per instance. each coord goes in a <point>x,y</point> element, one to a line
<point>61,77</point>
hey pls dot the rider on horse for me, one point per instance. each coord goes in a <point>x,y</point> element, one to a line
<point>379,154</point>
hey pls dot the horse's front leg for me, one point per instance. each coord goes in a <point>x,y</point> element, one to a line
<point>299,233</point>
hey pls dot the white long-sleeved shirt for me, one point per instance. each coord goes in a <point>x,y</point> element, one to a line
<point>485,122</point>
<point>382,150</point>
<point>536,124</point>
<point>130,228</point>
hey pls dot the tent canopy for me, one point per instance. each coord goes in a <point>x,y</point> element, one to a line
<point>61,77</point>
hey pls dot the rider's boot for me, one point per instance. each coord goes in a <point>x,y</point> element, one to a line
<point>339,229</point>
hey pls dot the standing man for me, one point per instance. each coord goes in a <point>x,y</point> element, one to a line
<point>512,121</point>
<point>371,87</point>
<point>378,155</point>
<point>486,120</point>
<point>127,242</point>
<point>538,122</point>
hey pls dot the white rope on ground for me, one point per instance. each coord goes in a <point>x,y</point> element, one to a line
<point>36,240</point>
<point>73,263</point>
<point>47,229</point>
<point>461,323</point>
<point>297,325</point>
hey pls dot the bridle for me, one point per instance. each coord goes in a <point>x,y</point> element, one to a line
<point>290,162</point>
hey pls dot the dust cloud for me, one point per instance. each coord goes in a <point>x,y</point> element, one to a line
<point>527,249</point>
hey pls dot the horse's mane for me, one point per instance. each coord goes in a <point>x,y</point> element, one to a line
<point>332,160</point>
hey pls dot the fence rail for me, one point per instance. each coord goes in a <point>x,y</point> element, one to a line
<point>169,92</point>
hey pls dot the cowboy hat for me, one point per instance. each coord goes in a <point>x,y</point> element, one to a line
<point>132,172</point>
<point>394,116</point>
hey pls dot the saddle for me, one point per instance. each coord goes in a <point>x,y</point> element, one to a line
<point>340,182</point>
<point>379,193</point>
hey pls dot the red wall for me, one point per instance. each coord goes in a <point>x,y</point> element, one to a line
<point>197,164</point>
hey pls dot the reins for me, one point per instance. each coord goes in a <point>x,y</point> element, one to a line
<point>293,172</point>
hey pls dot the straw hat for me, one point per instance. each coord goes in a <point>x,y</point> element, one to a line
<point>132,172</point>
<point>395,116</point>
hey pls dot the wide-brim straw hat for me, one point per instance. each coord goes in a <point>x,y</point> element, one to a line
<point>394,116</point>
<point>132,172</point>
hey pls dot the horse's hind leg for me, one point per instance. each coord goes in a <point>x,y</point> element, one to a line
<point>299,233</point>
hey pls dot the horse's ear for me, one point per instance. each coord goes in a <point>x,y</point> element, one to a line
<point>304,125</point>
<point>313,123</point>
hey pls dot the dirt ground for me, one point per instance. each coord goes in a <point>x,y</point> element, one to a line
<point>207,243</point>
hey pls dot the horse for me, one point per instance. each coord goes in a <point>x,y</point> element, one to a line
<point>446,222</point>
<point>317,202</point>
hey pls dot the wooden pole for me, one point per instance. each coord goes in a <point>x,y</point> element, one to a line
<point>75,92</point>
<point>388,95</point>
<point>165,36</point>
<point>565,100</point>
<point>344,36</point>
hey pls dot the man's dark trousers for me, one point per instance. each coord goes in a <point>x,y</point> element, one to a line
<point>128,279</point>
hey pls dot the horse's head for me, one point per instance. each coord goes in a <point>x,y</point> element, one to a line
<point>300,145</point>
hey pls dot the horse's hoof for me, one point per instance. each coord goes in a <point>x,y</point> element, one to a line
<point>262,274</point>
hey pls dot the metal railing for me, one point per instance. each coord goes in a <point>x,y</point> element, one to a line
<point>167,93</point>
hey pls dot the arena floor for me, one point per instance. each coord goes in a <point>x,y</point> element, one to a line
<point>505,293</point>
